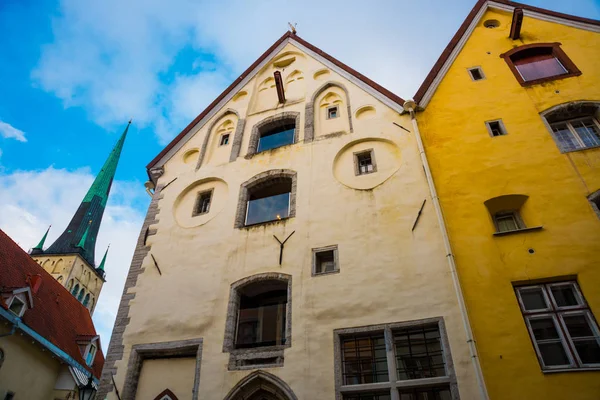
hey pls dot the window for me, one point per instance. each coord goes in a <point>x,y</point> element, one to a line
<point>262,313</point>
<point>476,73</point>
<point>325,260</point>
<point>539,62</point>
<point>577,133</point>
<point>491,23</point>
<point>270,202</point>
<point>496,128</point>
<point>276,137</point>
<point>332,112</point>
<point>86,300</point>
<point>224,139</point>
<point>594,199</point>
<point>91,353</point>
<point>266,197</point>
<point>418,354</point>
<point>364,162</point>
<point>562,328</point>
<point>203,200</point>
<point>75,290</point>
<point>508,221</point>
<point>81,293</point>
<point>17,306</point>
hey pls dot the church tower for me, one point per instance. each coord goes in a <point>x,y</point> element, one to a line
<point>71,258</point>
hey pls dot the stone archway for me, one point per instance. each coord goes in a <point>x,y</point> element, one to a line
<point>261,385</point>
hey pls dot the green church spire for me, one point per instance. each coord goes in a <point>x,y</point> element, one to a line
<point>80,235</point>
<point>40,245</point>
<point>101,266</point>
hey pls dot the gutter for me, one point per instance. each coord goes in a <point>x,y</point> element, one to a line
<point>57,351</point>
<point>410,107</point>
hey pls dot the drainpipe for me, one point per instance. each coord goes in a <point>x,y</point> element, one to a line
<point>410,107</point>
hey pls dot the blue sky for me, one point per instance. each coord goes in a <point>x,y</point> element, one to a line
<point>73,72</point>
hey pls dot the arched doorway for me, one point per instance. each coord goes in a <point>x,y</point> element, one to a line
<point>261,385</point>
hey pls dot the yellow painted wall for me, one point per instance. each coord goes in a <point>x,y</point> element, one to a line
<point>470,167</point>
<point>27,371</point>
<point>388,273</point>
<point>176,374</point>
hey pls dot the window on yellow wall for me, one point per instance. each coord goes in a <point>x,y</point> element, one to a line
<point>575,126</point>
<point>561,325</point>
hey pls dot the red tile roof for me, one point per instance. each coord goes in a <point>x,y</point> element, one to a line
<point>247,72</point>
<point>56,314</point>
<point>437,67</point>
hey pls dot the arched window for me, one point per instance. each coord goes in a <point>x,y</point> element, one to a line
<point>259,319</point>
<point>575,126</point>
<point>276,131</point>
<point>81,293</point>
<point>75,289</point>
<point>269,196</point>
<point>91,304</point>
<point>70,284</point>
<point>86,300</point>
<point>539,62</point>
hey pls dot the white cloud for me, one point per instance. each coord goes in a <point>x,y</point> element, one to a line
<point>10,132</point>
<point>32,200</point>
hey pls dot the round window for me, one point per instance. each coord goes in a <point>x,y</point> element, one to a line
<point>491,23</point>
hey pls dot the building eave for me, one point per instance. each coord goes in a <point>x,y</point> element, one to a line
<point>456,44</point>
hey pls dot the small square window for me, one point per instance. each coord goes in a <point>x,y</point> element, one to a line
<point>332,112</point>
<point>364,162</point>
<point>17,306</point>
<point>325,260</point>
<point>476,73</point>
<point>508,221</point>
<point>202,205</point>
<point>496,128</point>
<point>224,140</point>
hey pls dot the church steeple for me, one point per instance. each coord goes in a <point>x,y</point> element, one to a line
<point>80,235</point>
<point>40,247</point>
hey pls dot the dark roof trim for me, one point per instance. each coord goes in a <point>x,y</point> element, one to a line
<point>439,64</point>
<point>249,70</point>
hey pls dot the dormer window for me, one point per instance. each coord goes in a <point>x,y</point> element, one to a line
<point>17,306</point>
<point>539,62</point>
<point>90,354</point>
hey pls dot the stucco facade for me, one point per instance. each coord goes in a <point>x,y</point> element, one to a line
<point>470,167</point>
<point>391,268</point>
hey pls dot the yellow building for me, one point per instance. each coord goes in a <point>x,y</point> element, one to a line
<point>292,251</point>
<point>509,118</point>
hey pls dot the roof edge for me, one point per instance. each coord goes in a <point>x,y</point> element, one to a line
<point>439,64</point>
<point>288,35</point>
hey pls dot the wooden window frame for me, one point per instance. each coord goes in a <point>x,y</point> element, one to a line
<point>556,313</point>
<point>557,52</point>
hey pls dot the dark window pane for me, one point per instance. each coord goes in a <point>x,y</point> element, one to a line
<point>325,261</point>
<point>553,353</point>
<point>543,328</point>
<point>419,353</point>
<point>578,326</point>
<point>268,209</point>
<point>564,296</point>
<point>588,350</point>
<point>533,299</point>
<point>278,137</point>
<point>537,68</point>
<point>584,338</point>
<point>364,359</point>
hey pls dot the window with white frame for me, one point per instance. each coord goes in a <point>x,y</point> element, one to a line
<point>476,73</point>
<point>575,126</point>
<point>90,354</point>
<point>332,112</point>
<point>508,221</point>
<point>417,366</point>
<point>563,330</point>
<point>364,162</point>
<point>496,128</point>
<point>17,306</point>
<point>202,205</point>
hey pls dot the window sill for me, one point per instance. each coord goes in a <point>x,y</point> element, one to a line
<point>549,79</point>
<point>523,230</point>
<point>335,271</point>
<point>559,370</point>
<point>275,221</point>
<point>582,149</point>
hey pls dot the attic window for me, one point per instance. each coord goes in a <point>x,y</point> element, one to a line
<point>224,139</point>
<point>17,306</point>
<point>496,128</point>
<point>203,201</point>
<point>476,73</point>
<point>332,112</point>
<point>90,354</point>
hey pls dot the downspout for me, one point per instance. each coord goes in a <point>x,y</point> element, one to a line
<point>410,106</point>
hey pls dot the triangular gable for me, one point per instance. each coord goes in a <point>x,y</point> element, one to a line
<point>371,87</point>
<point>442,65</point>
